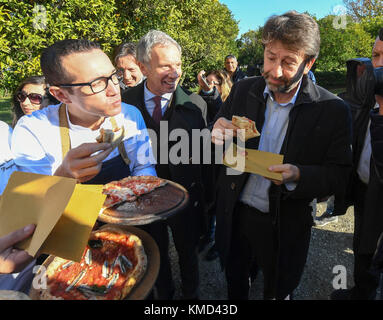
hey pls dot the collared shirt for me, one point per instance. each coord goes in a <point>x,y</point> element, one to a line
<point>365,157</point>
<point>36,141</point>
<point>150,104</point>
<point>256,190</point>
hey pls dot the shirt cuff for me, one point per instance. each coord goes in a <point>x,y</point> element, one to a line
<point>290,186</point>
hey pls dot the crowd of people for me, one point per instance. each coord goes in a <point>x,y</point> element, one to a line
<point>253,224</point>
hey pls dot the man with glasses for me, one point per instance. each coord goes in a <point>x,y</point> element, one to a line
<point>61,140</point>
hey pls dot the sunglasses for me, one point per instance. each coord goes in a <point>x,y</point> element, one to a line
<point>34,98</point>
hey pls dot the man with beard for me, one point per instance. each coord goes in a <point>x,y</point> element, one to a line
<point>264,224</point>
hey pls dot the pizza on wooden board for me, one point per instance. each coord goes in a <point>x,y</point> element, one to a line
<point>246,124</point>
<point>113,262</point>
<point>129,189</point>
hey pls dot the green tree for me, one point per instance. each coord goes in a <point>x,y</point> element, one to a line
<point>250,48</point>
<point>339,45</point>
<point>205,29</point>
<point>361,9</point>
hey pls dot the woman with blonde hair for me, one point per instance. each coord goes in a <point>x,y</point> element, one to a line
<point>214,88</point>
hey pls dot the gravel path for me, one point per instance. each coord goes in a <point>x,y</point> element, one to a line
<point>331,245</point>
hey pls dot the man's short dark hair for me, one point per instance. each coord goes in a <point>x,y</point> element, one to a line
<point>123,50</point>
<point>51,58</point>
<point>295,30</point>
<point>381,34</point>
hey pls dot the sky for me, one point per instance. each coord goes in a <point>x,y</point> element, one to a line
<point>252,14</point>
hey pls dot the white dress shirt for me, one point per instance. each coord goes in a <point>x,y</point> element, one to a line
<point>36,141</point>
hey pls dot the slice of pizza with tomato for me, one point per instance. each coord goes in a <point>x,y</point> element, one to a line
<point>249,129</point>
<point>129,189</point>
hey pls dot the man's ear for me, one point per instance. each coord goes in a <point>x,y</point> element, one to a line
<point>309,65</point>
<point>143,68</point>
<point>60,94</point>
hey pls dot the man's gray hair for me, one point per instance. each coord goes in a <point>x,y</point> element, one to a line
<point>150,40</point>
<point>295,30</point>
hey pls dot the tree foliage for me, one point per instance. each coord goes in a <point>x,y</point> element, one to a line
<point>340,41</point>
<point>360,9</point>
<point>339,45</point>
<point>205,29</point>
<point>250,48</point>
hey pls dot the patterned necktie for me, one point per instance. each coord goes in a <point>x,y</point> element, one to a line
<point>157,113</point>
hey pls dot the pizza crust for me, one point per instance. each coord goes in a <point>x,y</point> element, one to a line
<point>139,270</point>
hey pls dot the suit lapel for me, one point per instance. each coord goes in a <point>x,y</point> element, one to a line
<point>255,110</point>
<point>180,102</point>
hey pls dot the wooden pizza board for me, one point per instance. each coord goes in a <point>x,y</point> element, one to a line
<point>143,288</point>
<point>159,204</point>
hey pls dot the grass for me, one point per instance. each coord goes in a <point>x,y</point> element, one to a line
<point>5,109</point>
<point>336,91</point>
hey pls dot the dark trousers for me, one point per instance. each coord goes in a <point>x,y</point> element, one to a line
<point>184,228</point>
<point>280,252</point>
<point>366,280</point>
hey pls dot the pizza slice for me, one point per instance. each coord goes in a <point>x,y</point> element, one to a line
<point>141,185</point>
<point>112,136</point>
<point>117,194</point>
<point>246,124</point>
<point>129,189</point>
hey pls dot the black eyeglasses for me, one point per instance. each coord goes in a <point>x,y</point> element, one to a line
<point>99,84</point>
<point>34,98</point>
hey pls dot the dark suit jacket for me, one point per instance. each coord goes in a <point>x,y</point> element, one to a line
<point>185,112</point>
<point>372,225</point>
<point>317,141</point>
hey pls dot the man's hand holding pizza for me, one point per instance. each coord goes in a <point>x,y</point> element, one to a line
<point>223,130</point>
<point>81,163</point>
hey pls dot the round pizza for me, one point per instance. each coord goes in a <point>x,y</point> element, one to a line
<point>113,262</point>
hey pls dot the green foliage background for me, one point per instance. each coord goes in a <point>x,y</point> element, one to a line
<point>205,29</point>
<point>337,44</point>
